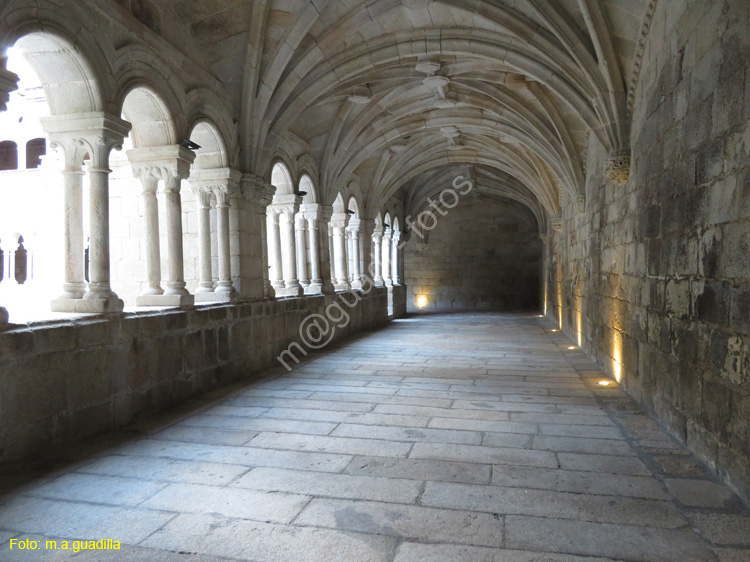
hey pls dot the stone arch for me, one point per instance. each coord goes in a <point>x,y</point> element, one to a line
<point>146,110</point>
<point>281,179</point>
<point>212,152</point>
<point>306,185</point>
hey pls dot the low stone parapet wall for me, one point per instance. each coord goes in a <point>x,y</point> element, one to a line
<point>63,381</point>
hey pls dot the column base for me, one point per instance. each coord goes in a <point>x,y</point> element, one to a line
<point>342,287</point>
<point>357,285</point>
<point>87,306</point>
<point>314,289</point>
<point>215,297</point>
<point>165,300</point>
<point>289,292</point>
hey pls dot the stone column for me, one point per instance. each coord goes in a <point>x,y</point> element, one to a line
<point>324,245</point>
<point>338,225</point>
<point>289,252</point>
<point>288,206</point>
<point>274,251</point>
<point>169,164</point>
<point>206,282</point>
<point>394,258</point>
<point>74,286</point>
<point>8,83</point>
<point>377,254</point>
<point>153,252</point>
<point>387,280</point>
<point>356,273</point>
<point>311,214</point>
<point>300,243</point>
<point>224,284</point>
<point>95,133</point>
<point>259,193</point>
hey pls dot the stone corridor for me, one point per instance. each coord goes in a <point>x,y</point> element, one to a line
<point>474,437</point>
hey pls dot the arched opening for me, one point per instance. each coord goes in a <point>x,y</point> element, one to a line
<point>8,156</point>
<point>209,240</point>
<point>282,246</point>
<point>306,237</point>
<point>354,244</point>
<point>35,149</point>
<point>54,79</point>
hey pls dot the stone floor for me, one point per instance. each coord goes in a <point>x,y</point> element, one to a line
<point>474,437</point>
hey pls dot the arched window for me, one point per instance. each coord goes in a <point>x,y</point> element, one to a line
<point>8,155</point>
<point>35,149</point>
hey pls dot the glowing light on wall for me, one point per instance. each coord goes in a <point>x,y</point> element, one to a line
<point>421,301</point>
<point>579,320</point>
<point>617,356</point>
<point>604,383</point>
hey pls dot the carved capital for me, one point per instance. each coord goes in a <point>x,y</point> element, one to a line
<point>95,133</point>
<point>257,190</point>
<point>556,223</point>
<point>581,204</point>
<point>617,168</point>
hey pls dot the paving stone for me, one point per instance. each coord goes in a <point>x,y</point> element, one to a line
<point>416,469</point>
<point>441,412</point>
<point>546,503</point>
<point>230,502</point>
<point>80,521</point>
<point>411,552</point>
<point>197,434</point>
<point>331,485</point>
<point>98,489</point>
<point>251,540</point>
<point>602,463</point>
<point>701,493</point>
<point>484,425</point>
<point>594,431</point>
<point>407,434</point>
<point>243,456</point>
<point>170,470</point>
<point>471,453</point>
<point>724,529</point>
<point>621,542</point>
<point>332,444</point>
<point>260,424</point>
<point>583,445</point>
<point>411,522</point>
<point>579,482</point>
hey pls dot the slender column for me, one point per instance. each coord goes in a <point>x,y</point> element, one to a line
<point>338,229</point>
<point>274,250</point>
<point>169,164</point>
<point>288,255</point>
<point>316,282</point>
<point>176,284</point>
<point>224,284</point>
<point>74,286</point>
<point>377,254</point>
<point>325,243</point>
<point>394,257</point>
<point>153,253</point>
<point>356,273</point>
<point>387,257</point>
<point>206,283</point>
<point>300,243</point>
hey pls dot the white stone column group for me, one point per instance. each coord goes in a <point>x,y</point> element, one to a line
<point>168,165</point>
<point>95,135</point>
<point>282,251</point>
<point>337,229</point>
<point>217,186</point>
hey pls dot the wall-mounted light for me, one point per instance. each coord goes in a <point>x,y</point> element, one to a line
<point>421,301</point>
<point>350,212</point>
<point>300,193</point>
<point>605,383</point>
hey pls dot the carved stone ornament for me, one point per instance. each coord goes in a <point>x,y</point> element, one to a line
<point>618,168</point>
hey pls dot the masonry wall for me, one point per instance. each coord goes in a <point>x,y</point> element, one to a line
<point>479,256</point>
<point>63,381</point>
<point>654,278</point>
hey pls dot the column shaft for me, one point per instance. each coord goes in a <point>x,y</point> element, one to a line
<point>99,259</point>
<point>206,283</point>
<point>312,231</point>
<point>153,253</point>
<point>300,243</point>
<point>75,286</point>
<point>176,283</point>
<point>289,255</point>
<point>274,250</point>
<point>222,226</point>
<point>377,252</point>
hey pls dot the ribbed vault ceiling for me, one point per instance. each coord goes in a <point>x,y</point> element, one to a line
<point>517,87</point>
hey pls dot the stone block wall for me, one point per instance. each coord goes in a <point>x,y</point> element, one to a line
<point>67,380</point>
<point>653,279</point>
<point>479,256</point>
